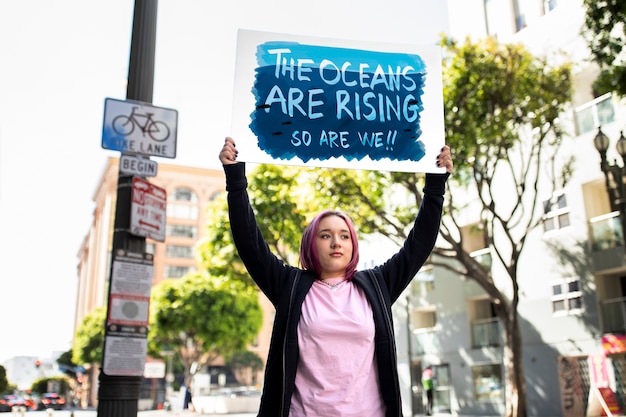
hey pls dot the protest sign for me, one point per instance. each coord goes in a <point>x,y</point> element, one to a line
<point>337,103</point>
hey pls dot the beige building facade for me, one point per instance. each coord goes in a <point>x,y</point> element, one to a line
<point>189,190</point>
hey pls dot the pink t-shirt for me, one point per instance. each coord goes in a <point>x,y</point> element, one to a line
<point>337,374</point>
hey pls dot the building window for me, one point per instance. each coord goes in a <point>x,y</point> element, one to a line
<point>181,230</point>
<point>487,381</point>
<point>424,282</point>
<point>556,213</point>
<point>185,194</point>
<point>484,323</point>
<point>150,247</point>
<point>172,271</point>
<point>179,251</point>
<point>182,211</point>
<point>424,340</point>
<point>184,204</point>
<point>567,297</point>
<point>606,231</point>
<point>215,195</point>
<point>549,5</point>
<point>483,257</point>
<point>597,112</point>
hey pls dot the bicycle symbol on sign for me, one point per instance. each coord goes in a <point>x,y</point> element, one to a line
<point>125,125</point>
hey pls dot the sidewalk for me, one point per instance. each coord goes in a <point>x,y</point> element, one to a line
<point>164,413</point>
<point>179,413</point>
<point>150,413</point>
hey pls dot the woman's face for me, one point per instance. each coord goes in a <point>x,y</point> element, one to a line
<point>334,246</point>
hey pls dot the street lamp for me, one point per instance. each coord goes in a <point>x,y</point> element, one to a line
<point>615,175</point>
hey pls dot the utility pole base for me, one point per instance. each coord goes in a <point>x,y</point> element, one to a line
<point>118,396</point>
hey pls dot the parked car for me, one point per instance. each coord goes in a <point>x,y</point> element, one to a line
<point>5,407</point>
<point>51,400</point>
<point>8,402</point>
<point>30,402</point>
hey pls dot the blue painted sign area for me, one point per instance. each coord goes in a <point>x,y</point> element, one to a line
<point>139,128</point>
<point>319,102</point>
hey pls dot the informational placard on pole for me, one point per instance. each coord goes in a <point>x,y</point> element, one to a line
<point>125,351</point>
<point>338,103</point>
<point>148,210</point>
<point>127,321</point>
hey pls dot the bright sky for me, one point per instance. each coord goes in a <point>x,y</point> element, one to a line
<point>61,59</point>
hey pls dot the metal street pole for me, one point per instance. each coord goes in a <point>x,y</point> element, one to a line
<point>615,177</point>
<point>118,395</point>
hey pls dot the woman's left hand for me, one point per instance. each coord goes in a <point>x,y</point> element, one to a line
<point>444,159</point>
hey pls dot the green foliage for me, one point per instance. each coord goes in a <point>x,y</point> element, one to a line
<point>88,344</point>
<point>58,384</point>
<point>217,254</point>
<point>65,362</point>
<point>271,189</point>
<point>202,318</point>
<point>605,33</point>
<point>270,192</point>
<point>4,382</point>
<point>245,359</point>
<point>286,198</point>
<point>494,95</point>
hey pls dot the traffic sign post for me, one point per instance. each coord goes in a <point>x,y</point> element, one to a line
<point>147,210</point>
<point>136,127</point>
<point>136,165</point>
<point>119,386</point>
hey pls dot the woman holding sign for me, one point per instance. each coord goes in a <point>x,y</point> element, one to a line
<point>332,351</point>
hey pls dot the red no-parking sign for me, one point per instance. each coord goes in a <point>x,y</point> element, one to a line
<point>148,207</point>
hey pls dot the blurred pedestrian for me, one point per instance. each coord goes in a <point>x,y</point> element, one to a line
<point>428,384</point>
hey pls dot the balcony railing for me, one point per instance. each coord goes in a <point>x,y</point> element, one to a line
<point>424,341</point>
<point>485,332</point>
<point>606,232</point>
<point>614,315</point>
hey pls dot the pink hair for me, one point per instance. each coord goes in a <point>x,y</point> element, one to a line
<point>309,258</point>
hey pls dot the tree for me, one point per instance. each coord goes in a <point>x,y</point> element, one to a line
<point>67,365</point>
<point>285,199</point>
<point>59,384</point>
<point>502,109</point>
<point>271,191</point>
<point>203,318</point>
<point>88,344</point>
<point>605,33</point>
<point>245,364</point>
<point>4,382</point>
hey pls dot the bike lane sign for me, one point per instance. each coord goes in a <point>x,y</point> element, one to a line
<point>135,127</point>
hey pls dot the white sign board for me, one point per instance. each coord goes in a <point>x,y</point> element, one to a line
<point>154,369</point>
<point>338,103</point>
<point>125,352</point>
<point>148,207</point>
<point>139,128</point>
<point>129,310</point>
<point>137,165</point>
<point>127,322</point>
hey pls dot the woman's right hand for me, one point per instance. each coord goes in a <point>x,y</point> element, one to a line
<point>228,154</point>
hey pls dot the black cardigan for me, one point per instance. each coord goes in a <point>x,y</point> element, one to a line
<point>286,287</point>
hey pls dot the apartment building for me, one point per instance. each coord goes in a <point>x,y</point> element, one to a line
<point>572,309</point>
<point>189,189</point>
